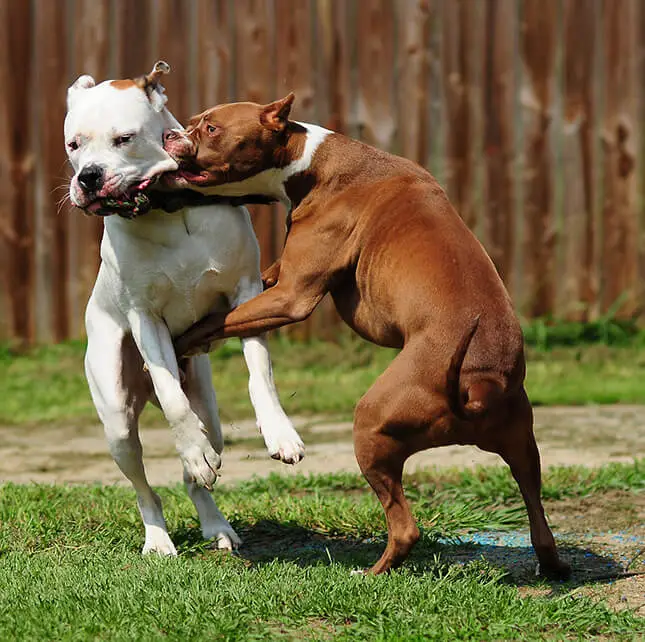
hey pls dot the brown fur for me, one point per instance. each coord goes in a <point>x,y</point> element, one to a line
<point>378,233</point>
<point>124,84</point>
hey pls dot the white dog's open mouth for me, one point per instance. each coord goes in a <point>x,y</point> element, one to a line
<point>129,204</point>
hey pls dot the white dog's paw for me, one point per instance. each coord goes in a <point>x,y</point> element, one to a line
<point>223,536</point>
<point>290,452</point>
<point>201,463</point>
<point>282,441</point>
<point>158,541</point>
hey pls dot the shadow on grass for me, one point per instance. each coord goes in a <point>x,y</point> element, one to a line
<point>511,552</point>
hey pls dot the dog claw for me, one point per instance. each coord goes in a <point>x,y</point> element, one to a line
<point>283,442</point>
<point>201,463</point>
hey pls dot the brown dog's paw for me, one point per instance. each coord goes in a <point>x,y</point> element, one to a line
<point>558,571</point>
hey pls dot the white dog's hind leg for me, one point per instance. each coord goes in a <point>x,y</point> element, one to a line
<point>281,439</point>
<point>199,390</point>
<point>118,388</point>
<point>198,456</point>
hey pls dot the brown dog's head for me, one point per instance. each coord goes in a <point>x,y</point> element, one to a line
<point>229,143</point>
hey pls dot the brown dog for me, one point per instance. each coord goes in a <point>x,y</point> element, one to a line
<point>378,233</point>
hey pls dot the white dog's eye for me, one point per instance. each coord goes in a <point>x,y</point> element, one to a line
<point>72,145</point>
<point>123,139</point>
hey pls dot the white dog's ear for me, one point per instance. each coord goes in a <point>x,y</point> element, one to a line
<point>151,84</point>
<point>82,82</point>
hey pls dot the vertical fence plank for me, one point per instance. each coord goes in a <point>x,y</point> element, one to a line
<point>640,213</point>
<point>499,137</point>
<point>134,26</point>
<point>578,282</point>
<point>293,61</point>
<point>172,44</point>
<point>462,60</point>
<point>51,77</point>
<point>537,48</point>
<point>16,63</point>
<point>334,96</point>
<point>435,159</point>
<point>413,70</point>
<point>376,102</point>
<point>214,53</point>
<point>91,48</point>
<point>6,224</point>
<point>620,143</point>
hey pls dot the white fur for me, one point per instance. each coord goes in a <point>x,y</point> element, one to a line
<point>271,181</point>
<point>159,274</point>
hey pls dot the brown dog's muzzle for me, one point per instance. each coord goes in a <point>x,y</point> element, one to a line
<point>180,144</point>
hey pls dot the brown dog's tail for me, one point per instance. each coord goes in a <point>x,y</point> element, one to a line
<point>480,395</point>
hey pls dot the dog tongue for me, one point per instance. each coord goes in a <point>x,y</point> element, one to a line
<point>94,207</point>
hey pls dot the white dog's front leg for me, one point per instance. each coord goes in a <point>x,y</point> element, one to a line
<point>153,339</point>
<point>116,386</point>
<point>281,439</point>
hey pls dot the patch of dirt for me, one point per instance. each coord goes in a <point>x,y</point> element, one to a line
<point>619,508</point>
<point>589,435</point>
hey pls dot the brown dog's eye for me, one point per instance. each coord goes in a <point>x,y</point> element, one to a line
<point>211,129</point>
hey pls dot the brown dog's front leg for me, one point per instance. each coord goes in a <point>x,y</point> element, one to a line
<point>269,310</point>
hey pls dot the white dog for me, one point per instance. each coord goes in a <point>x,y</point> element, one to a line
<point>159,274</point>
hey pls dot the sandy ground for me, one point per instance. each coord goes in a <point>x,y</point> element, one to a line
<point>589,435</point>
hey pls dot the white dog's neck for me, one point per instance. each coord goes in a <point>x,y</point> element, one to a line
<point>271,182</point>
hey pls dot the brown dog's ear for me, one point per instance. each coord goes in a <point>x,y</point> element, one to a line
<point>275,115</point>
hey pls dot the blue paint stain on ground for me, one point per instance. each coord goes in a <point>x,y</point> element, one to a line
<point>511,539</point>
<point>600,554</point>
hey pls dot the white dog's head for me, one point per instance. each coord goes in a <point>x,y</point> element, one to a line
<point>114,137</point>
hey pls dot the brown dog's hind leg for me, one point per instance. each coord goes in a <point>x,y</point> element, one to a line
<point>516,445</point>
<point>391,422</point>
<point>381,461</point>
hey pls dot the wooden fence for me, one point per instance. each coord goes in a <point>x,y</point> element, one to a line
<point>528,111</point>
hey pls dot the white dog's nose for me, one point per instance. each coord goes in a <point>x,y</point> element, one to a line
<point>90,178</point>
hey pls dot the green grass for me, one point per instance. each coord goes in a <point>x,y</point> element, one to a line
<point>70,567</point>
<point>481,483</point>
<point>47,384</point>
